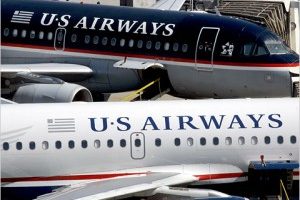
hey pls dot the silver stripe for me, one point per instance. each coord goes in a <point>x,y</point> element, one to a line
<point>61,131</point>
<point>19,16</point>
<point>64,119</point>
<point>53,128</point>
<point>20,19</point>
<point>21,22</point>
<point>26,12</point>
<point>61,124</point>
<point>64,122</point>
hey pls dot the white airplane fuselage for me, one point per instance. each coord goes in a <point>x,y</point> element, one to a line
<point>59,144</point>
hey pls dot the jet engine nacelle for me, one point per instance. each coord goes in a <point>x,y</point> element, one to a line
<point>46,93</point>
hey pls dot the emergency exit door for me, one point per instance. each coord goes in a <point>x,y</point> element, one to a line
<point>59,39</point>
<point>137,142</point>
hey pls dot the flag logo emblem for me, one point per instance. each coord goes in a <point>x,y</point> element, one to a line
<point>21,17</point>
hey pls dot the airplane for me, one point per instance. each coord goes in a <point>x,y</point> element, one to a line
<point>103,49</point>
<point>101,150</point>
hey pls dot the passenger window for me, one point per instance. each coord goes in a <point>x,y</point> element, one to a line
<point>87,39</point>
<point>23,33</point>
<point>267,140</point>
<point>96,39</point>
<point>50,36</point>
<point>110,143</point>
<point>5,146</point>
<point>32,34</point>
<point>19,145</point>
<point>45,145</point>
<point>32,145</point>
<point>157,45</point>
<point>177,141</point>
<point>137,142</point>
<point>202,141</point>
<point>254,140</point>
<point>149,45</point>
<point>71,144</point>
<point>122,42</point>
<point>280,139</point>
<point>228,141</point>
<point>190,142</point>
<point>131,43</point>
<point>58,144</point>
<point>104,41</point>
<point>241,140</point>
<point>215,141</point>
<point>113,42</point>
<point>73,38</point>
<point>97,144</point>
<point>123,143</point>
<point>15,33</point>
<point>184,48</point>
<point>175,47</point>
<point>41,35</point>
<point>167,46</point>
<point>6,32</point>
<point>157,142</point>
<point>84,144</point>
<point>293,139</point>
<point>140,44</point>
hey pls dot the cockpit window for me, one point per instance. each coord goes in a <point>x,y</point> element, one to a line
<point>276,47</point>
<point>254,49</point>
<point>247,48</point>
<point>260,50</point>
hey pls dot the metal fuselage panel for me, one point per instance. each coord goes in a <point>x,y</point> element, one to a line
<point>197,47</point>
<point>235,133</point>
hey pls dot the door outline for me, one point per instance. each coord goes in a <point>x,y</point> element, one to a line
<point>210,68</point>
<point>57,45</point>
<point>137,152</point>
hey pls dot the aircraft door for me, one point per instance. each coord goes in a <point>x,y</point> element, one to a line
<point>137,143</point>
<point>59,39</point>
<point>206,46</point>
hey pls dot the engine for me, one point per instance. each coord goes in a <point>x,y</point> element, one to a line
<point>49,93</point>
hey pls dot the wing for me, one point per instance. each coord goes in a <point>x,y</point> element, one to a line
<point>169,4</point>
<point>153,181</point>
<point>68,72</point>
<point>120,188</point>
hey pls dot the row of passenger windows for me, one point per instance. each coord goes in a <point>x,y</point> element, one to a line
<point>158,142</point>
<point>32,34</point>
<point>132,43</point>
<point>176,47</point>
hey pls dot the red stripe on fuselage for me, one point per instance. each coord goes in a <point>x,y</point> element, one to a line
<point>106,53</point>
<point>220,176</point>
<point>67,178</point>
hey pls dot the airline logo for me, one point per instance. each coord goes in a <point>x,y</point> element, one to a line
<point>109,24</point>
<point>61,125</point>
<point>200,122</point>
<point>21,17</point>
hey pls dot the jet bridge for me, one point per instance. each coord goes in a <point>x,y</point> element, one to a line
<point>264,176</point>
<point>280,16</point>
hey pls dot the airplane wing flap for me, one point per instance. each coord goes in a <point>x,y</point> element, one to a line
<point>61,70</point>
<point>136,64</point>
<point>119,187</point>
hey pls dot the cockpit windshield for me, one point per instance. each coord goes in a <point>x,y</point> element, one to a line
<point>274,44</point>
<point>276,47</point>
